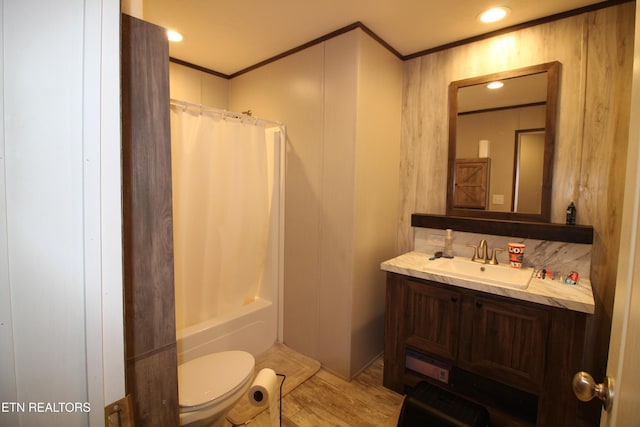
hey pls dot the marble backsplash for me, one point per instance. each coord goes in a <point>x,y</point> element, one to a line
<point>557,256</point>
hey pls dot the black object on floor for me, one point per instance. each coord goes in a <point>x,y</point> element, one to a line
<point>432,406</point>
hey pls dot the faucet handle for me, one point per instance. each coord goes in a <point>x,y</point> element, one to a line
<point>475,252</point>
<point>494,258</point>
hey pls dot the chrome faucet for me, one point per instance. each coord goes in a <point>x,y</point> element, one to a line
<point>482,254</point>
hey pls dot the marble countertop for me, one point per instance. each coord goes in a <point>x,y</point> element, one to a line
<point>547,292</point>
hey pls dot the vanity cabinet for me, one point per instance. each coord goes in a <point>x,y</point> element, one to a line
<point>504,341</point>
<point>432,315</point>
<point>514,357</point>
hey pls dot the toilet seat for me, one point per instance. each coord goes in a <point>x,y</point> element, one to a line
<point>210,379</point>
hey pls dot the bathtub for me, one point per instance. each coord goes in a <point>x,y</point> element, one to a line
<point>252,328</point>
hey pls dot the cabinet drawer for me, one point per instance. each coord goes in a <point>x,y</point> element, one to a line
<point>507,342</point>
<point>432,319</point>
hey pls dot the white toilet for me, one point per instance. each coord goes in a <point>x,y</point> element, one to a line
<point>210,385</point>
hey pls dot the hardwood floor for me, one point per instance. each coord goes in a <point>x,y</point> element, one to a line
<point>327,400</point>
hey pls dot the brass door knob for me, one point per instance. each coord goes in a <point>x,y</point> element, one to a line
<point>585,389</point>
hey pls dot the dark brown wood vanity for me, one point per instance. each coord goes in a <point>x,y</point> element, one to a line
<point>514,357</point>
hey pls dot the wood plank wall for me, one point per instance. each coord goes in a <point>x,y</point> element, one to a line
<point>150,336</point>
<point>596,53</point>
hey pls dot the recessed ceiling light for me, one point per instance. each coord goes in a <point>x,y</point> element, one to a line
<point>174,36</point>
<point>495,85</point>
<point>494,14</point>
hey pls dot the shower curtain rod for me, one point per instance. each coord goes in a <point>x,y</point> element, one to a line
<point>223,113</point>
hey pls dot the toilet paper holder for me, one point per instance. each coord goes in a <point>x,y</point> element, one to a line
<point>263,391</point>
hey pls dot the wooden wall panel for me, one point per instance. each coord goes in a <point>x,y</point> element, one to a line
<point>425,143</point>
<point>147,225</point>
<point>154,388</point>
<point>596,53</point>
<point>604,151</point>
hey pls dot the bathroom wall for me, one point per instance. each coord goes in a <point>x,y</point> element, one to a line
<point>190,85</point>
<point>340,101</point>
<point>293,94</point>
<point>538,253</point>
<point>341,185</point>
<point>60,217</point>
<point>377,184</point>
<point>596,52</point>
<point>43,304</point>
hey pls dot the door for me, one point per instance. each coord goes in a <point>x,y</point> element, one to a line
<point>528,171</point>
<point>624,347</point>
<point>472,185</point>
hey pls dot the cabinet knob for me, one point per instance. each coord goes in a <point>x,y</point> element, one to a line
<point>478,304</point>
<point>454,299</point>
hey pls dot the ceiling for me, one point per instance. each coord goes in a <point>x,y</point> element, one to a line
<point>228,36</point>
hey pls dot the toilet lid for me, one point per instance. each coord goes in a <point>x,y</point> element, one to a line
<point>212,377</point>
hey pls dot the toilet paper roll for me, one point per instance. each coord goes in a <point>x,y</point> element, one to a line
<point>264,388</point>
<point>264,391</point>
<point>483,148</point>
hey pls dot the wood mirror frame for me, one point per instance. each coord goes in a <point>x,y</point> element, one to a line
<point>553,77</point>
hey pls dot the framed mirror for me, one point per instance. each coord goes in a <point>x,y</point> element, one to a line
<point>501,144</point>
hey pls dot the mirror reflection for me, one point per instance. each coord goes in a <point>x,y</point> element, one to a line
<point>527,175</point>
<point>501,144</point>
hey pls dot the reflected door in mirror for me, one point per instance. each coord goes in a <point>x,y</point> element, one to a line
<point>472,183</point>
<point>529,158</point>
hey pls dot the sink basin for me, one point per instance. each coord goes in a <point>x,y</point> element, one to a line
<point>501,275</point>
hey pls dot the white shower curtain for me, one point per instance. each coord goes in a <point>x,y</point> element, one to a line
<point>220,212</point>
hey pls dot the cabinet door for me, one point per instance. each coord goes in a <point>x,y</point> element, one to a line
<point>507,342</point>
<point>432,319</point>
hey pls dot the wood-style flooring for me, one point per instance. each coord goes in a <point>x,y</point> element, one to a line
<point>327,400</point>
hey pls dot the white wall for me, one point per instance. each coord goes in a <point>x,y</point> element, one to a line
<point>60,212</point>
<point>335,206</point>
<point>294,96</point>
<point>197,87</point>
<point>340,101</point>
<point>377,190</point>
<point>107,308</point>
<point>133,8</point>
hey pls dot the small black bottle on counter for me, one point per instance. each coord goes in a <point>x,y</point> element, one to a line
<point>571,214</point>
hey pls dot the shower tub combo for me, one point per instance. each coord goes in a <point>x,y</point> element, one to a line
<point>228,179</point>
<point>250,328</point>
